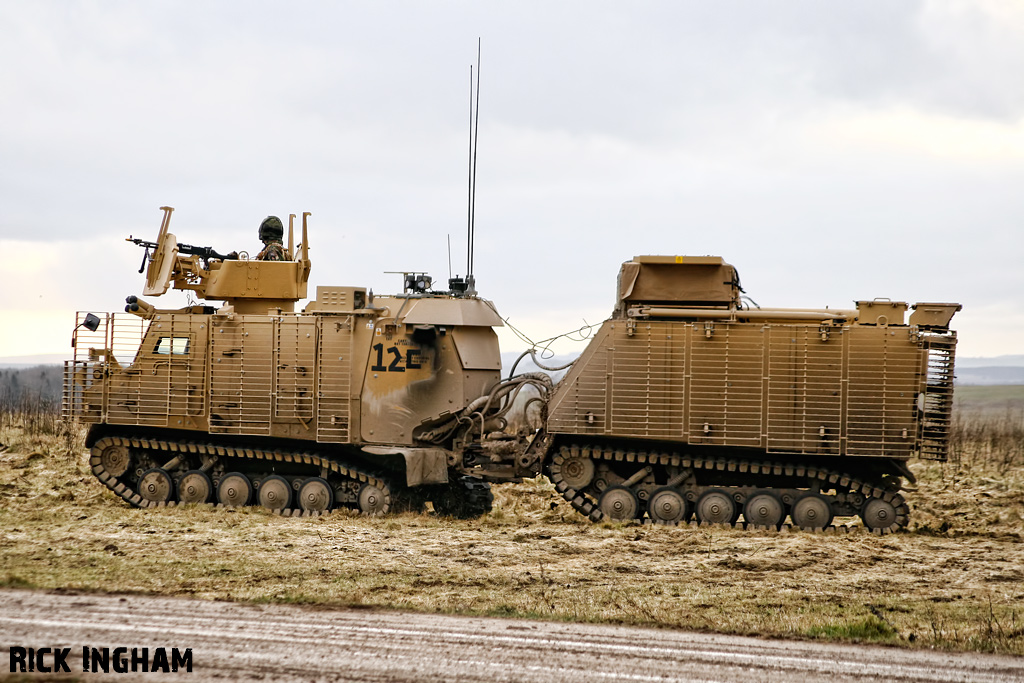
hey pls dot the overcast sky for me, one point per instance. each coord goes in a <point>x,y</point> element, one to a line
<point>830,151</point>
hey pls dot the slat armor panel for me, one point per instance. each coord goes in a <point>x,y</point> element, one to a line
<point>263,371</point>
<point>805,380</point>
<point>884,374</point>
<point>241,374</point>
<point>334,377</point>
<point>582,407</point>
<point>725,384</point>
<point>165,383</point>
<point>649,381</point>
<point>295,369</point>
<point>786,388</point>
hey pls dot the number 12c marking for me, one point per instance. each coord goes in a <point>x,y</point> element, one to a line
<point>412,359</point>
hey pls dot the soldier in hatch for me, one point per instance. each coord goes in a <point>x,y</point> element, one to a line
<point>272,232</point>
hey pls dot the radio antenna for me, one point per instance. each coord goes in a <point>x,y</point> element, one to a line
<point>449,256</point>
<point>469,199</point>
<point>474,132</point>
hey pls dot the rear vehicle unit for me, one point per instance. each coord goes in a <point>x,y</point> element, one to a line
<point>688,404</point>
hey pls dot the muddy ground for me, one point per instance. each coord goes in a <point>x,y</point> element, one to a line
<point>954,580</point>
<point>248,642</point>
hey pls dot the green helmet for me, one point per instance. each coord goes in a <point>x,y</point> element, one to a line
<point>271,228</point>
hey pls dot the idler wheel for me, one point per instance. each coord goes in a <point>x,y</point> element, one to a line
<point>372,500</point>
<point>195,487</point>
<point>811,511</point>
<point>234,489</point>
<point>717,507</point>
<point>878,514</point>
<point>764,508</point>
<point>619,503</point>
<point>116,460</point>
<point>156,485</point>
<point>578,472</point>
<point>668,506</point>
<point>316,495</point>
<point>275,493</point>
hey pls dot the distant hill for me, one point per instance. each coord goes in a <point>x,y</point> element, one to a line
<point>34,361</point>
<point>989,371</point>
<point>989,375</point>
<point>991,361</point>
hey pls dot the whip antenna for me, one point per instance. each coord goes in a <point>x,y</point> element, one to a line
<point>474,133</point>
<point>469,199</point>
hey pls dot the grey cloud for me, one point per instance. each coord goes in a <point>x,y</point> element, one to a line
<point>607,129</point>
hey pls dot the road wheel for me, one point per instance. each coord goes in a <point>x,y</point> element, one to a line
<point>878,514</point>
<point>234,489</point>
<point>275,493</point>
<point>717,507</point>
<point>156,486</point>
<point>668,506</point>
<point>811,511</point>
<point>373,501</point>
<point>316,495</point>
<point>764,508</point>
<point>619,503</point>
<point>195,487</point>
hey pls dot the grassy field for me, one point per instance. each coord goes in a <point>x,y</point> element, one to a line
<point>954,579</point>
<point>999,399</point>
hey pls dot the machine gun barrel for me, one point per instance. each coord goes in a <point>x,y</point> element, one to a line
<point>142,243</point>
<point>205,253</point>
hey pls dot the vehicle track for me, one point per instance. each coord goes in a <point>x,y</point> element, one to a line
<point>589,507</point>
<point>170,449</point>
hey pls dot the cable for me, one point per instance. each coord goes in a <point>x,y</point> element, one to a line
<point>533,356</point>
<point>581,334</point>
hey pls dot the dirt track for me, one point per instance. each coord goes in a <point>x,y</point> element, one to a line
<point>233,641</point>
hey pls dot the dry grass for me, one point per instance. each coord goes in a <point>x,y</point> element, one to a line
<point>954,580</point>
<point>28,416</point>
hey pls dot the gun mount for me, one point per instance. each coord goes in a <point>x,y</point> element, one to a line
<point>247,285</point>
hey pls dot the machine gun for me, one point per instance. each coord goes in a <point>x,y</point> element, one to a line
<point>247,285</point>
<point>205,253</point>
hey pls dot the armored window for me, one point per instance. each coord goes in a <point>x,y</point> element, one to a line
<point>171,346</point>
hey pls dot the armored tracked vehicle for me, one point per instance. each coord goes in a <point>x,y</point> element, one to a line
<point>371,403</point>
<point>688,404</point>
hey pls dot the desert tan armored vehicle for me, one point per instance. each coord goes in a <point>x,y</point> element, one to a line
<point>690,405</point>
<point>687,405</point>
<point>374,404</point>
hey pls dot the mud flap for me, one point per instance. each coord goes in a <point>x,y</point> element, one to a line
<point>422,465</point>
